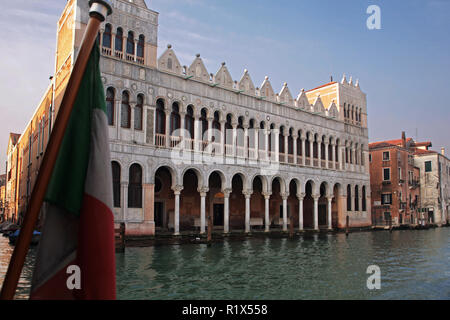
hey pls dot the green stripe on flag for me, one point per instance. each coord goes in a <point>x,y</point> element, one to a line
<point>66,187</point>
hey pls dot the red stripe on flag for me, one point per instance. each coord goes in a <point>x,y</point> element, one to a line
<point>55,288</point>
<point>96,251</point>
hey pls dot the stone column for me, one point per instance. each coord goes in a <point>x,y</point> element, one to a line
<point>124,200</point>
<point>285,196</point>
<point>266,138</point>
<point>167,111</point>
<point>311,152</point>
<point>182,144</point>
<point>360,201</point>
<point>247,195</point>
<point>300,198</point>
<point>197,133</point>
<point>286,145</point>
<point>203,192</point>
<point>303,151</point>
<point>226,209</point>
<point>245,141</point>
<point>177,191</point>
<point>330,199</point>
<point>277,145</point>
<point>135,48</point>
<point>234,124</point>
<point>149,210</point>
<point>222,137</point>
<point>341,159</point>
<point>319,153</point>
<point>316,211</point>
<point>266,210</point>
<point>333,155</point>
<point>256,130</point>
<point>294,139</point>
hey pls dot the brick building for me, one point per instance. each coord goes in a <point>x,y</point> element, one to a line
<point>394,181</point>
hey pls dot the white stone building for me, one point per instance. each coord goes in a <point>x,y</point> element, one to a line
<point>187,144</point>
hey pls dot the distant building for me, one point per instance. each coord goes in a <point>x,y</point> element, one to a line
<point>409,183</point>
<point>2,197</point>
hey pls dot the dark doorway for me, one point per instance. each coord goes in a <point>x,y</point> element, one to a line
<point>322,214</point>
<point>431,216</point>
<point>218,214</point>
<point>159,215</point>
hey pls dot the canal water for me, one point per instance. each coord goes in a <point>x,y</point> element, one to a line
<point>413,265</point>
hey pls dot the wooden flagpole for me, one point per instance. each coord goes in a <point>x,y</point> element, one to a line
<point>99,9</point>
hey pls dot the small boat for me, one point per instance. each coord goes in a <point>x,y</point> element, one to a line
<point>34,240</point>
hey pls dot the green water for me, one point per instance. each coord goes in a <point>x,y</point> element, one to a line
<point>414,265</point>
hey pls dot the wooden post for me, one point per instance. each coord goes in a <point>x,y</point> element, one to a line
<point>291,226</point>
<point>347,223</point>
<point>99,10</point>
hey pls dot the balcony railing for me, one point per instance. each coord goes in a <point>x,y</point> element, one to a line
<point>216,148</point>
<point>160,140</point>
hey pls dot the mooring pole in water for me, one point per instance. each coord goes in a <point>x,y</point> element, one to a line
<point>210,226</point>
<point>291,226</point>
<point>347,222</point>
<point>390,225</point>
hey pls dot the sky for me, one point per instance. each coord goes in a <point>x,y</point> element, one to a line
<point>403,67</point>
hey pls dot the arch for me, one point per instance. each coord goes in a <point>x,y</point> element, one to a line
<point>172,171</point>
<point>110,99</point>
<point>364,200</point>
<point>263,179</point>
<point>138,112</point>
<point>107,35</point>
<point>130,43</point>
<point>141,46</point>
<point>349,198</point>
<point>281,181</point>
<point>116,178</point>
<point>135,186</point>
<point>197,172</point>
<point>221,175</point>
<point>125,111</point>
<point>175,119</point>
<point>189,123</point>
<point>191,179</point>
<point>164,203</point>
<point>119,40</point>
<point>160,117</point>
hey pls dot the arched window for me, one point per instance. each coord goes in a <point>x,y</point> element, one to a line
<point>356,198</point>
<point>228,130</point>
<point>174,118</point>
<point>189,122</point>
<point>116,183</point>
<point>364,204</point>
<point>349,198</point>
<point>138,111</point>
<point>135,187</point>
<point>110,95</point>
<point>119,40</point>
<point>261,136</point>
<point>130,43</point>
<point>281,140</point>
<point>140,46</point>
<point>107,36</point>
<point>160,117</point>
<point>125,111</point>
<point>204,124</point>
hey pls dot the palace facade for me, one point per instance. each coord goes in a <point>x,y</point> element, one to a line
<point>187,144</point>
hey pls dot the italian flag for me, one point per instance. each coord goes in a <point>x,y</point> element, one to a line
<point>78,220</point>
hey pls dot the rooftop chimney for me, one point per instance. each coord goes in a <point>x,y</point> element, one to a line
<point>443,151</point>
<point>403,139</point>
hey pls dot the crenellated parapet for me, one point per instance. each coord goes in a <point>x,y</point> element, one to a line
<point>327,100</point>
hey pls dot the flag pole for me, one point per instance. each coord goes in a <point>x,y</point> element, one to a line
<point>99,10</point>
